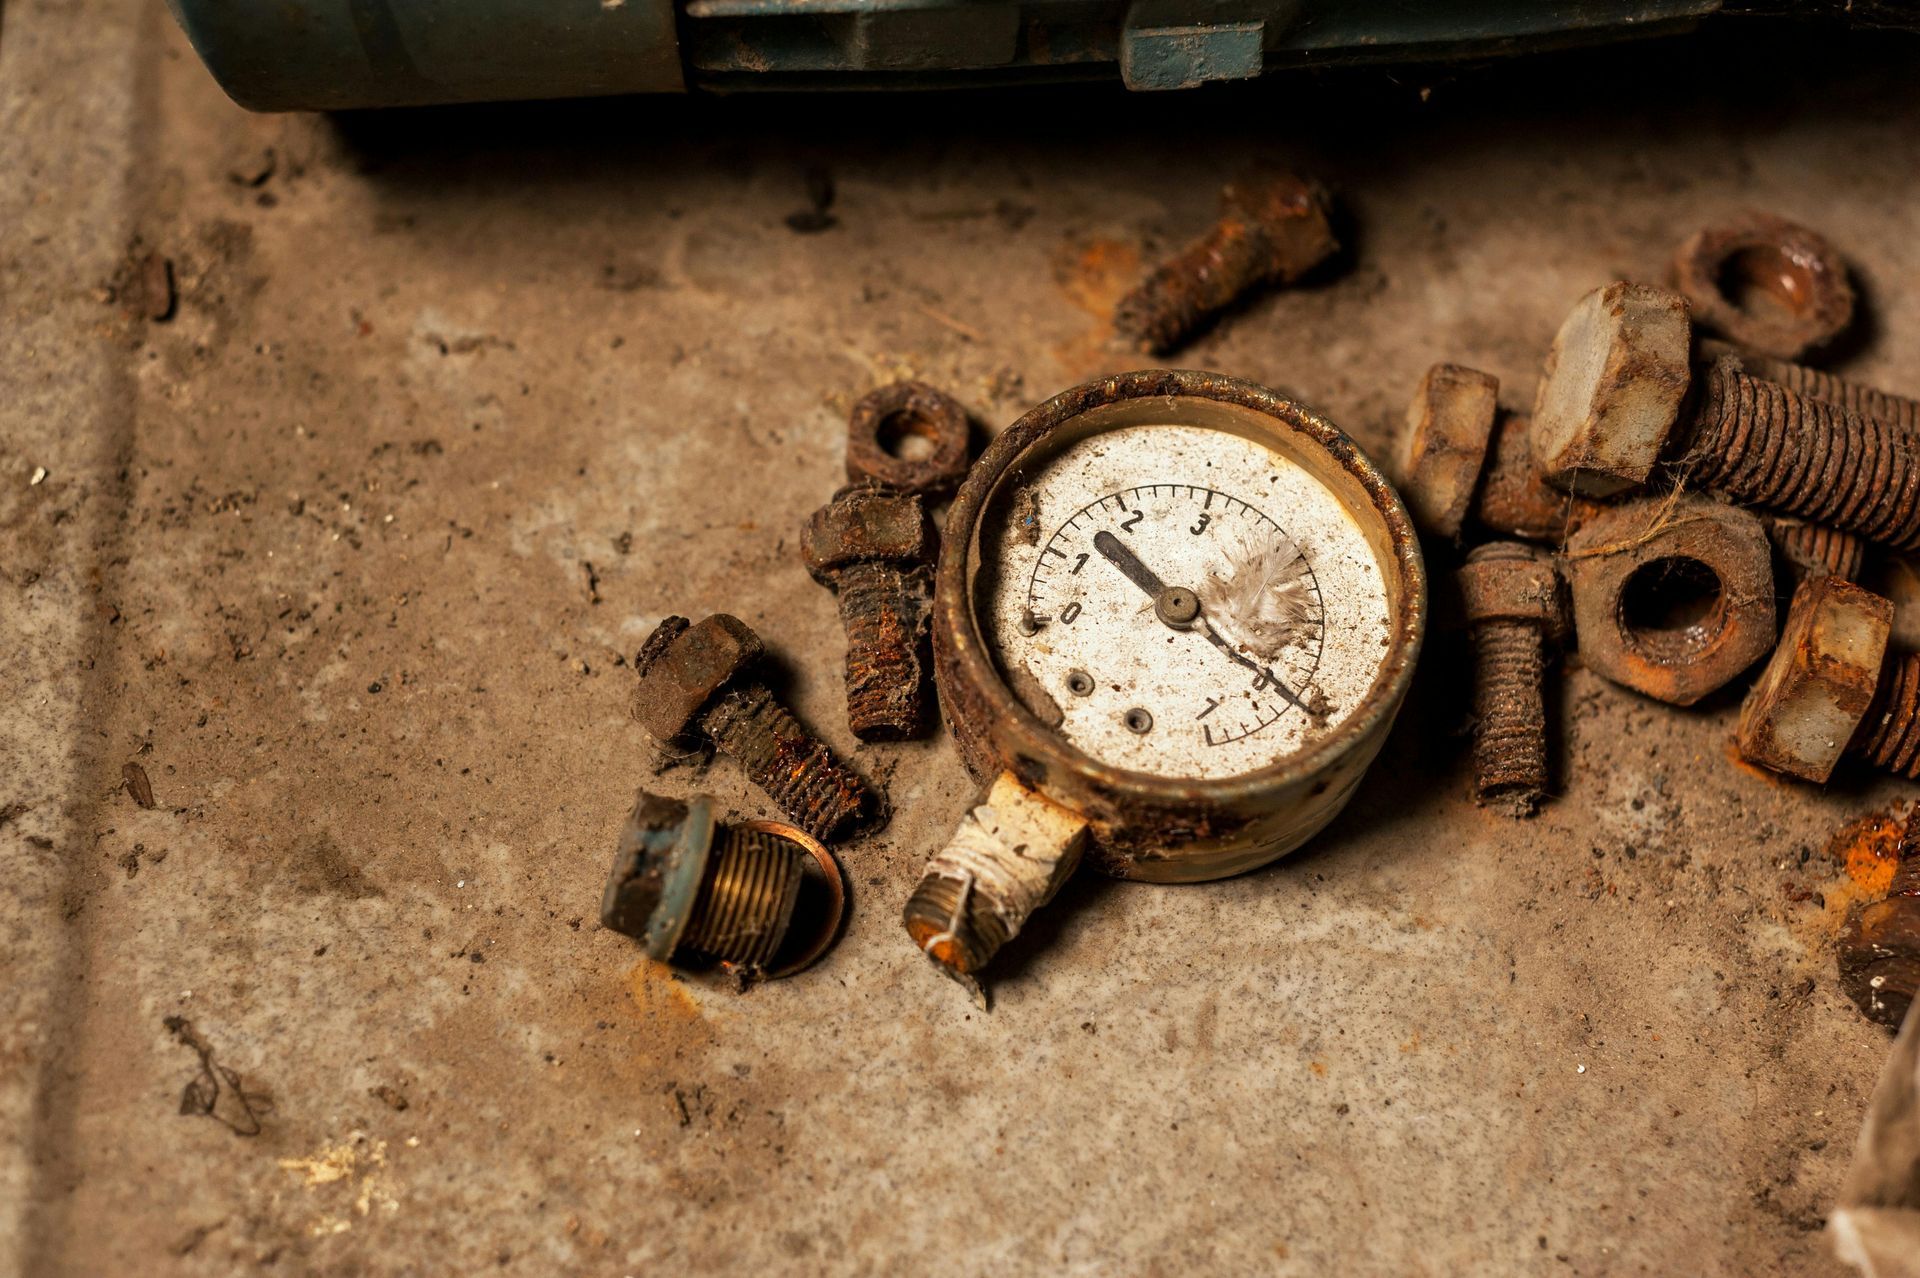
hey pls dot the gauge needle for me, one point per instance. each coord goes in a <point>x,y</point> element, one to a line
<point>1117,553</point>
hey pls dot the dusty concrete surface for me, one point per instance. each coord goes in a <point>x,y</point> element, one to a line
<point>349,555</point>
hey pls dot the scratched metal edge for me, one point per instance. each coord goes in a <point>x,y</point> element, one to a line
<point>1135,815</point>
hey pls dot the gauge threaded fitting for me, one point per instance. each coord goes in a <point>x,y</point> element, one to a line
<point>1007,859</point>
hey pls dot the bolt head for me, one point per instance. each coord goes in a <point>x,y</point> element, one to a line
<point>1449,427</point>
<point>1611,389</point>
<point>689,670</point>
<point>1510,581</point>
<point>866,524</point>
<point>657,870</point>
<point>1682,664</point>
<point>1814,692</point>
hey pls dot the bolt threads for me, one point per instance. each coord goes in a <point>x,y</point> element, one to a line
<point>950,923</point>
<point>1762,443</point>
<point>1510,716</point>
<point>1817,550</point>
<point>1852,396</point>
<point>822,795</point>
<point>1889,735</point>
<point>884,610</point>
<point>746,903</point>
<point>1184,292</point>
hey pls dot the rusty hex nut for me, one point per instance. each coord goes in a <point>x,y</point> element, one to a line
<point>1672,596</point>
<point>865,523</point>
<point>1612,388</point>
<point>1807,704</point>
<point>1515,499</point>
<point>683,666</point>
<point>1522,585</point>
<point>909,408</point>
<point>1771,285</point>
<point>1449,426</point>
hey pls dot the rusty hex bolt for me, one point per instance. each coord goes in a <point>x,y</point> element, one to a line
<point>1514,606</point>
<point>684,885</point>
<point>697,680</point>
<point>1614,399</point>
<point>1272,230</point>
<point>1771,285</point>
<point>1467,461</point>
<point>1879,956</point>
<point>1831,689</point>
<point>901,410</point>
<point>873,547</point>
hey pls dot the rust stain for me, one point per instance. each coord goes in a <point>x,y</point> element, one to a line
<point>658,997</point>
<point>1319,1068</point>
<point>1866,851</point>
<point>1093,275</point>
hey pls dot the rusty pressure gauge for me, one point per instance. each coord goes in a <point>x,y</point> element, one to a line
<point>1174,617</point>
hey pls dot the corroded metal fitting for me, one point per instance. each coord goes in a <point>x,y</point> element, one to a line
<point>1831,689</point>
<point>698,680</point>
<point>688,888</point>
<point>874,548</point>
<point>1672,596</point>
<point>908,409</point>
<point>1007,859</point>
<point>1613,402</point>
<point>1468,461</point>
<point>1514,607</point>
<point>1879,956</point>
<point>1771,285</point>
<point>1271,231</point>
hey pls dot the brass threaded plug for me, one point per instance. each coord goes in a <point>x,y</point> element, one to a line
<point>686,886</point>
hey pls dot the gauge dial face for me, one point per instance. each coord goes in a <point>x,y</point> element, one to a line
<point>1185,601</point>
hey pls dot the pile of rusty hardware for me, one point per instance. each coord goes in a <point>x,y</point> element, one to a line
<point>1668,488</point>
<point>689,886</point>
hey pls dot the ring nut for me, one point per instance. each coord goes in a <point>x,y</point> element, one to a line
<point>1672,597</point>
<point>916,410</point>
<point>1767,284</point>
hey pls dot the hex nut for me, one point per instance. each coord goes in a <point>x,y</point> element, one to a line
<point>1515,499</point>
<point>865,523</point>
<point>657,869</point>
<point>680,675</point>
<point>1809,702</point>
<point>918,409</point>
<point>1449,425</point>
<point>1807,298</point>
<point>1612,388</point>
<point>1630,557</point>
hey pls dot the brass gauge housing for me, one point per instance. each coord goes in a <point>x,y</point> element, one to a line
<point>1175,615</point>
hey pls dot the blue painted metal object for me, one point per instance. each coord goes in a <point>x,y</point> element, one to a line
<point>334,54</point>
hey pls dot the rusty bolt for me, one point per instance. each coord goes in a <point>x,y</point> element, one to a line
<point>1513,607</point>
<point>1612,387</point>
<point>884,418</point>
<point>1672,596</point>
<point>1832,690</point>
<point>687,887</point>
<point>1811,550</point>
<point>873,547</point>
<point>1771,285</point>
<point>698,680</point>
<point>1879,957</point>
<point>1613,402</point>
<point>1468,461</point>
<point>1856,397</point>
<point>1271,231</point>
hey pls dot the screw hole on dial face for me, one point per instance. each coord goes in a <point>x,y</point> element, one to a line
<point>1138,721</point>
<point>1673,608</point>
<point>906,435</point>
<point>1079,683</point>
<point>1766,283</point>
